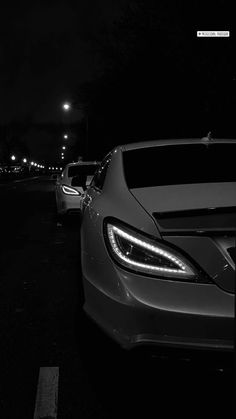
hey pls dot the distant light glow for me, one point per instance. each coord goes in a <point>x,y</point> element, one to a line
<point>65,136</point>
<point>63,147</point>
<point>66,106</point>
<point>13,157</point>
<point>24,160</point>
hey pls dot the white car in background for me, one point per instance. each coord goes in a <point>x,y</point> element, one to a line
<point>71,184</point>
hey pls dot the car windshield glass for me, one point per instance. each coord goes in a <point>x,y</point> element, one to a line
<point>85,169</point>
<point>180,164</point>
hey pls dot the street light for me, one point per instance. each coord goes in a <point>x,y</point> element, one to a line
<point>24,160</point>
<point>13,157</point>
<point>66,106</point>
<point>63,147</point>
<point>65,136</point>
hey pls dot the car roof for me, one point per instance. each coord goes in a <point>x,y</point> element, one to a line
<point>161,142</point>
<point>81,163</point>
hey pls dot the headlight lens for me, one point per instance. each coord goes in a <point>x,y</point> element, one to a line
<point>70,191</point>
<point>142,254</point>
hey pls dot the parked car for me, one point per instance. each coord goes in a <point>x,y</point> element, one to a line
<point>70,185</point>
<point>158,244</point>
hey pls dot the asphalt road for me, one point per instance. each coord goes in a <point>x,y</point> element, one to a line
<point>41,326</point>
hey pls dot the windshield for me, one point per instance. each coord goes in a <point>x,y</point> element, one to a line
<point>85,169</point>
<point>180,164</point>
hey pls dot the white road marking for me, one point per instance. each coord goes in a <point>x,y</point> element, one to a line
<point>47,393</point>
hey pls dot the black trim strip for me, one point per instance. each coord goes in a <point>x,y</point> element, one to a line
<point>202,221</point>
<point>195,212</point>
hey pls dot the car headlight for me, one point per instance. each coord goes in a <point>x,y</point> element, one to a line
<point>70,191</point>
<point>138,252</point>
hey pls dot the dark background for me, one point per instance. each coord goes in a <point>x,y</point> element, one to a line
<point>132,70</point>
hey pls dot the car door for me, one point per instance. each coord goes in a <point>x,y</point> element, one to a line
<point>96,185</point>
<point>91,222</point>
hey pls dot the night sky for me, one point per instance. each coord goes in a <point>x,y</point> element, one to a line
<point>45,53</point>
<point>50,50</point>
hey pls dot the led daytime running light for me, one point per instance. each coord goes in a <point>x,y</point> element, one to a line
<point>69,191</point>
<point>182,268</point>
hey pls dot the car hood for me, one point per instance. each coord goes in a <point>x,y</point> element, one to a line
<point>200,219</point>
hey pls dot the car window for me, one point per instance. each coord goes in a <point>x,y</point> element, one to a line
<point>100,175</point>
<point>85,169</point>
<point>179,164</point>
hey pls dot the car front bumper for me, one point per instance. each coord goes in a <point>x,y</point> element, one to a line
<point>69,204</point>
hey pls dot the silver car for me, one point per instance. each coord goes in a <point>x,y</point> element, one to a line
<point>158,244</point>
<point>70,185</point>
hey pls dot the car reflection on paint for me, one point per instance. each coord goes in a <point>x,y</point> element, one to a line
<point>158,244</point>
